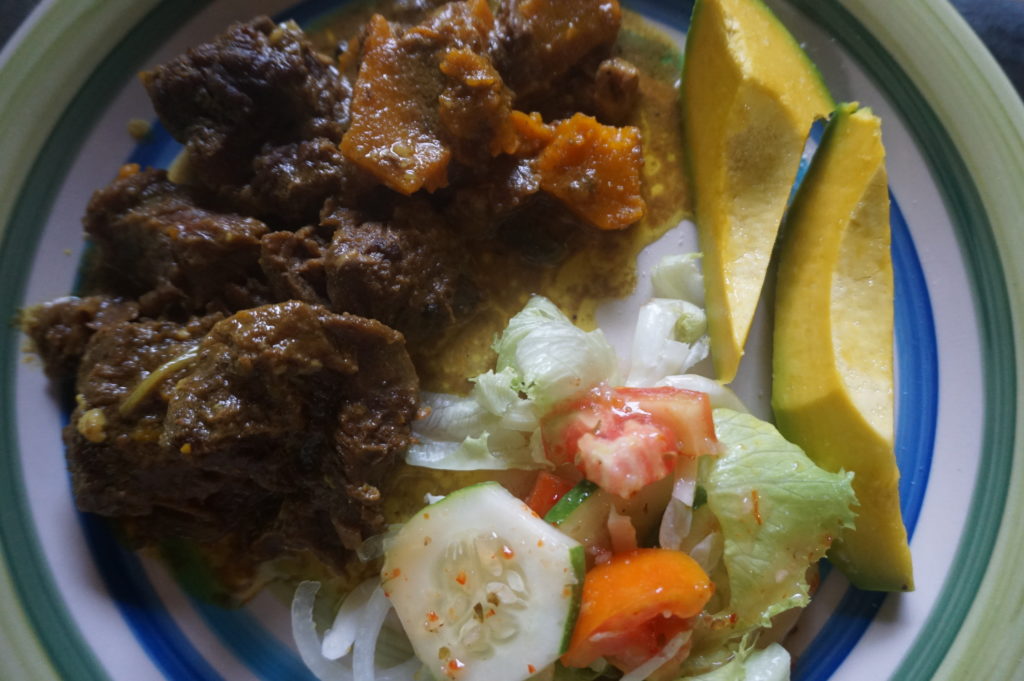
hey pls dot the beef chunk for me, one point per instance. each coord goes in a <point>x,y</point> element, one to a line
<point>158,244</point>
<point>258,83</point>
<point>540,41</point>
<point>407,271</point>
<point>616,90</point>
<point>61,328</point>
<point>290,182</point>
<point>294,263</point>
<point>270,430</point>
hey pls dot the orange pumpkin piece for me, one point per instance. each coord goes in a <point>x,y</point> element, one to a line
<point>394,115</point>
<point>595,170</point>
<point>525,134</point>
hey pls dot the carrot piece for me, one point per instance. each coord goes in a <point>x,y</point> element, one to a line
<point>547,490</point>
<point>595,170</point>
<point>633,603</point>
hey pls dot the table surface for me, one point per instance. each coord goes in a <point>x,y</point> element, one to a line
<point>999,23</point>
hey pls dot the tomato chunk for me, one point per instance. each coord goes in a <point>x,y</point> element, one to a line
<point>547,490</point>
<point>626,438</point>
<point>633,605</point>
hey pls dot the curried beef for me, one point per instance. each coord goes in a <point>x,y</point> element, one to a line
<point>293,263</point>
<point>616,90</point>
<point>542,41</point>
<point>256,83</point>
<point>408,271</point>
<point>61,328</point>
<point>269,430</point>
<point>261,113</point>
<point>290,182</point>
<point>158,244</point>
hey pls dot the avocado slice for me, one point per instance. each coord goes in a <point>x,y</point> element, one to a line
<point>832,384</point>
<point>749,97</point>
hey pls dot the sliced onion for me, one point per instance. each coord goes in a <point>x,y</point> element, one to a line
<point>655,663</point>
<point>339,638</point>
<point>677,519</point>
<point>708,551</point>
<point>364,667</point>
<point>621,532</point>
<point>308,641</point>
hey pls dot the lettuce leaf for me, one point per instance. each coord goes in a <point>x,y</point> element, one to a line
<point>553,358</point>
<point>679,276</point>
<point>770,664</point>
<point>670,337</point>
<point>543,358</point>
<point>778,511</point>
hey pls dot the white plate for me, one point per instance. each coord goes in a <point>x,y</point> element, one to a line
<point>75,605</point>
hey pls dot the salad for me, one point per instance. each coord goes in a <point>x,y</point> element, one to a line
<point>666,532</point>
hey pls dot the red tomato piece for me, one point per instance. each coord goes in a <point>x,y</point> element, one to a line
<point>626,438</point>
<point>547,490</point>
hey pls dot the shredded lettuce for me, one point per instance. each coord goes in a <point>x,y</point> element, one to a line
<point>778,511</point>
<point>542,359</point>
<point>552,358</point>
<point>679,277</point>
<point>770,664</point>
<point>670,338</point>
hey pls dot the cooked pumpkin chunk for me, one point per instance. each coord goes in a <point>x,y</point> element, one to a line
<point>394,114</point>
<point>595,170</point>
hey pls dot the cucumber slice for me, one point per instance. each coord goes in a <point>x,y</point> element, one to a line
<point>485,589</point>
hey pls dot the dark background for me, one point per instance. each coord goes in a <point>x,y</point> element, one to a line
<point>1000,23</point>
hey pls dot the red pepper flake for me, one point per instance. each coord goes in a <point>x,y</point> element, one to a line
<point>455,665</point>
<point>507,552</point>
<point>490,613</point>
<point>530,668</point>
<point>756,498</point>
<point>433,616</point>
<point>461,578</point>
<point>540,542</point>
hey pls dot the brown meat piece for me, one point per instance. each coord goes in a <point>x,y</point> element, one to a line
<point>158,244</point>
<point>270,430</point>
<point>291,182</point>
<point>424,94</point>
<point>293,263</point>
<point>616,90</point>
<point>61,328</point>
<point>408,273</point>
<point>540,41</point>
<point>258,83</point>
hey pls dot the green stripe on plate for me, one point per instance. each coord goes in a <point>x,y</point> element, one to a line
<point>969,123</point>
<point>41,139</point>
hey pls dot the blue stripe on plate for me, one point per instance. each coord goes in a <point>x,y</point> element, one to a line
<point>141,607</point>
<point>269,659</point>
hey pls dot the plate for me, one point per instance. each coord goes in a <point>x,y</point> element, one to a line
<point>75,605</point>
